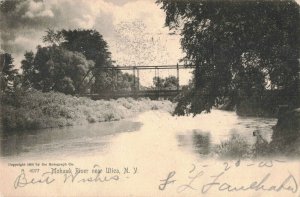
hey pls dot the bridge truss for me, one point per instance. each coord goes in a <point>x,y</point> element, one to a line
<point>154,94</point>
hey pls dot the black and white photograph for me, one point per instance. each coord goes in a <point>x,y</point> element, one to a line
<point>142,98</point>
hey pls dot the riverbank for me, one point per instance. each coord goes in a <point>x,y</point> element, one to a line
<point>285,140</point>
<point>286,134</point>
<point>36,110</point>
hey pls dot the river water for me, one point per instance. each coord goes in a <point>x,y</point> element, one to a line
<point>192,134</point>
<point>152,146</point>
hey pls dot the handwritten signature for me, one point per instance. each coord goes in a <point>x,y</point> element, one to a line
<point>220,181</point>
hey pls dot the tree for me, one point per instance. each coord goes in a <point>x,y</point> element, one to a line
<point>91,44</point>
<point>88,42</point>
<point>55,69</point>
<point>28,69</point>
<point>126,81</point>
<point>169,83</point>
<point>53,37</point>
<point>236,46</point>
<point>158,82</point>
<point>8,72</point>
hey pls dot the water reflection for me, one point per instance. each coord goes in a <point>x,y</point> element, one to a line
<point>199,141</point>
<point>83,139</point>
<point>156,131</point>
<point>226,134</point>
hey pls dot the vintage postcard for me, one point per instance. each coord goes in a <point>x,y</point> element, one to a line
<point>150,98</point>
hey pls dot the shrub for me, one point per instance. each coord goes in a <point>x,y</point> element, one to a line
<point>234,147</point>
<point>37,110</point>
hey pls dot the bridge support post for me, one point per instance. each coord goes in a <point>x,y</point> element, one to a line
<point>134,87</point>
<point>115,73</point>
<point>138,78</point>
<point>177,78</point>
<point>158,82</point>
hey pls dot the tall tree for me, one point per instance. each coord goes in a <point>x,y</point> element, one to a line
<point>53,37</point>
<point>8,72</point>
<point>88,42</point>
<point>29,70</point>
<point>236,46</point>
<point>55,69</point>
<point>91,44</point>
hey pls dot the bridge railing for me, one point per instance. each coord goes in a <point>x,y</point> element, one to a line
<point>153,94</point>
<point>136,92</point>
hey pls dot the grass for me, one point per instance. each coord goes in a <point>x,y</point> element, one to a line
<point>235,147</point>
<point>37,110</point>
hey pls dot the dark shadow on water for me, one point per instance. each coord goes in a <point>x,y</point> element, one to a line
<point>199,140</point>
<point>75,138</point>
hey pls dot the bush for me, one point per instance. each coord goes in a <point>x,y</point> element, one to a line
<point>37,110</point>
<point>235,147</point>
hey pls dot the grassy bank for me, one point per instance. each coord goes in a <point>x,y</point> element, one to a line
<point>37,110</point>
<point>284,144</point>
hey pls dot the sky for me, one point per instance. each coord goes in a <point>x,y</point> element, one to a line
<point>133,29</point>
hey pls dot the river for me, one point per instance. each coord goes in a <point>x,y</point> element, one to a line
<point>142,152</point>
<point>151,130</point>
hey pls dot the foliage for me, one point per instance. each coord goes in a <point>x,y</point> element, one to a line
<point>91,44</point>
<point>28,68</point>
<point>37,110</point>
<point>287,129</point>
<point>169,82</point>
<point>53,68</point>
<point>88,42</point>
<point>236,46</point>
<point>235,147</point>
<point>53,37</point>
<point>113,80</point>
<point>9,75</point>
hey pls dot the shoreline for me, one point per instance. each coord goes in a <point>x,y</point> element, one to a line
<point>36,110</point>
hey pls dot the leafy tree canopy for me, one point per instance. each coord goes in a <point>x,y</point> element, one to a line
<point>56,69</point>
<point>84,44</point>
<point>8,72</point>
<point>86,41</point>
<point>237,46</point>
<point>169,83</point>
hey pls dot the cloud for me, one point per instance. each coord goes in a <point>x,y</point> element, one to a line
<point>24,22</point>
<point>120,2</point>
<point>38,9</point>
<point>133,28</point>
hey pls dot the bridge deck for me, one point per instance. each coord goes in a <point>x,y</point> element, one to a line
<point>153,94</point>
